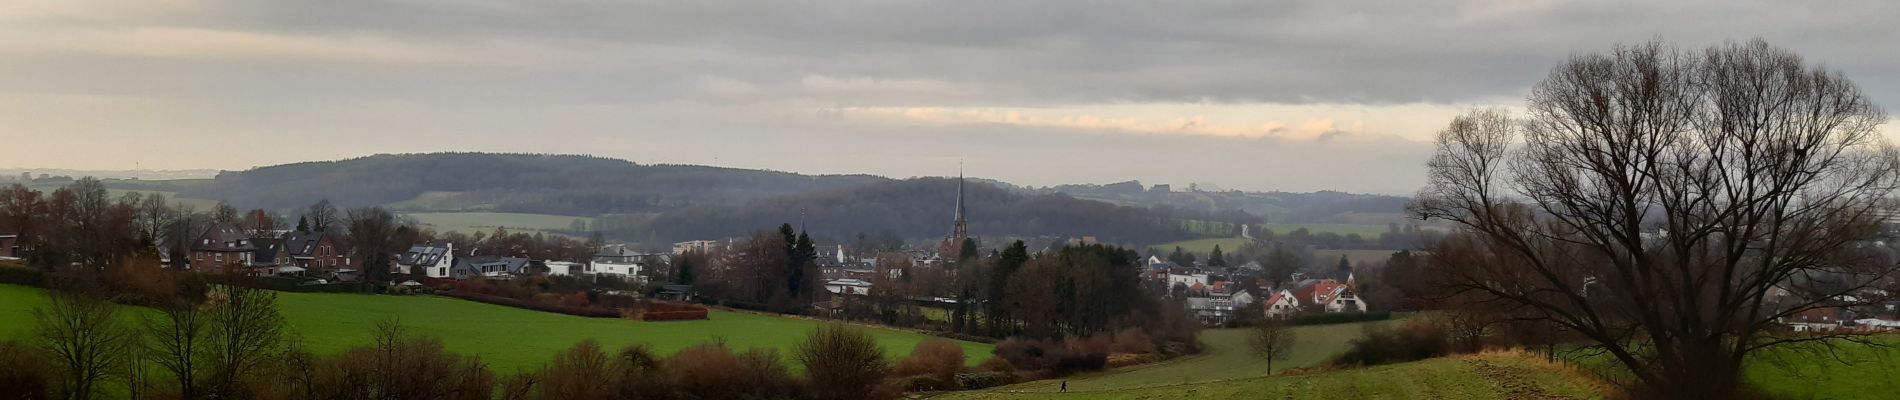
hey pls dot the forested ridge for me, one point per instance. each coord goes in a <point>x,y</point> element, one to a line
<point>527,183</point>
<point>663,203</point>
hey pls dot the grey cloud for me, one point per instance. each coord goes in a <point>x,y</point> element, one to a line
<point>748,83</point>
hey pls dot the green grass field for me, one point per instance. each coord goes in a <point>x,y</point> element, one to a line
<point>1871,372</point>
<point>1225,357</point>
<point>1488,376</point>
<point>508,339</point>
<point>471,222</point>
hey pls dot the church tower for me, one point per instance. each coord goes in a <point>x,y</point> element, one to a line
<point>960,231</point>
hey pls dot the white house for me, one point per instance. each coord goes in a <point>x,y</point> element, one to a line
<point>855,287</point>
<point>695,245</point>
<point>1282,303</point>
<point>564,268</point>
<point>431,260</point>
<point>1187,279</point>
<point>619,261</point>
<point>1241,299</point>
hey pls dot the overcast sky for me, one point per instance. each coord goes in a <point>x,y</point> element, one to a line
<point>1258,95</point>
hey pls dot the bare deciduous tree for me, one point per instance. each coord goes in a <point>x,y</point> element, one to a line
<point>1271,340</point>
<point>176,341</point>
<point>245,332</point>
<point>1671,206</point>
<point>85,339</point>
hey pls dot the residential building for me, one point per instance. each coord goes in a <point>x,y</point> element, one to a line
<point>224,245</point>
<point>702,246</point>
<point>429,260</point>
<point>10,245</point>
<point>490,267</point>
<point>316,251</point>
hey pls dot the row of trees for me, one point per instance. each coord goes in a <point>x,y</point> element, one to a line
<point>232,343</point>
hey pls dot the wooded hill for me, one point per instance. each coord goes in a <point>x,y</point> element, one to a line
<point>664,203</point>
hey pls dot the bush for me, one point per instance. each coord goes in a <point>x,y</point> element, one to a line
<point>19,275</point>
<point>936,360</point>
<point>841,363</point>
<point>402,366</point>
<point>711,371</point>
<point>589,312</point>
<point>1124,359</point>
<point>24,372</point>
<point>1028,354</point>
<point>984,380</point>
<point>1418,339</point>
<point>995,364</point>
<point>1132,341</point>
<point>582,372</point>
<point>663,311</point>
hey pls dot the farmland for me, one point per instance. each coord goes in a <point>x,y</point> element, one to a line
<point>508,339</point>
<point>1487,376</point>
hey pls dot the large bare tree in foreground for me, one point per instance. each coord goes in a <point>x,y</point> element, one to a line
<point>1671,206</point>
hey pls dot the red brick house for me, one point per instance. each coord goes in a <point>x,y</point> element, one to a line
<point>10,245</point>
<point>224,246</point>
<point>316,251</point>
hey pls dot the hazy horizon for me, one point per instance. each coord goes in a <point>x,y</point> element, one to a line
<point>1251,95</point>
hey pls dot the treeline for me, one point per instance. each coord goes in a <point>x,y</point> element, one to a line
<point>898,207</point>
<point>232,343</point>
<point>528,183</point>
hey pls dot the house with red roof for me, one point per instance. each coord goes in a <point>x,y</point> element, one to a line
<point>1325,295</point>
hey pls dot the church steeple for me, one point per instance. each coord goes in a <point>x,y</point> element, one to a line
<point>959,193</point>
<point>960,230</point>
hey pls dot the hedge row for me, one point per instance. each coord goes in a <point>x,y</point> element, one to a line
<point>589,312</point>
<point>19,275</point>
<point>1338,318</point>
<point>298,285</point>
<point>673,315</point>
<point>659,306</point>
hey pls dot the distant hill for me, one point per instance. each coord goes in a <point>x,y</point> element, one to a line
<point>1319,207</point>
<point>665,203</point>
<point>922,208</point>
<point>520,183</point>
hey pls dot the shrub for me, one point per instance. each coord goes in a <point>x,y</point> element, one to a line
<point>24,372</point>
<point>1124,359</point>
<point>663,311</point>
<point>841,363</point>
<point>984,380</point>
<point>712,371</point>
<point>582,372</point>
<point>995,364</point>
<point>937,360</point>
<point>1132,341</point>
<point>1417,339</point>
<point>20,275</point>
<point>403,366</point>
<point>1028,354</point>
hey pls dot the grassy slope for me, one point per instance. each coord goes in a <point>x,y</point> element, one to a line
<point>1873,374</point>
<point>507,338</point>
<point>1490,376</point>
<point>471,222</point>
<point>1226,357</point>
